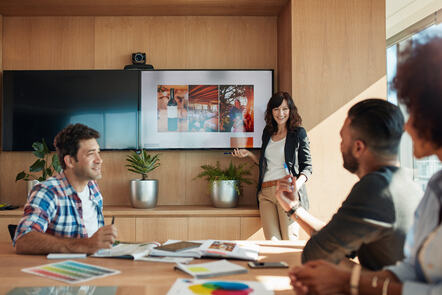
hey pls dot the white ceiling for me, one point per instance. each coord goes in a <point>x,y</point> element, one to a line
<point>401,14</point>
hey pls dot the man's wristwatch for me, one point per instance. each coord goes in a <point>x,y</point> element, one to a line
<point>293,210</point>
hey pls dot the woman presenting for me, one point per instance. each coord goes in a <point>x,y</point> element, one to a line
<point>284,141</point>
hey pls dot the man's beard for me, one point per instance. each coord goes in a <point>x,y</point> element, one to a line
<point>350,162</point>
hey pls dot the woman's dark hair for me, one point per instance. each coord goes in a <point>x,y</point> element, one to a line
<point>274,102</point>
<point>67,141</point>
<point>419,86</point>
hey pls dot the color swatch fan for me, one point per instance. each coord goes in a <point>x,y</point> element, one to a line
<point>211,287</point>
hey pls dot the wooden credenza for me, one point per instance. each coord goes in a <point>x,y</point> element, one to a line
<point>170,222</point>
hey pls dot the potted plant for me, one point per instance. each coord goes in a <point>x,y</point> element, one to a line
<point>144,191</point>
<point>225,185</point>
<point>45,164</point>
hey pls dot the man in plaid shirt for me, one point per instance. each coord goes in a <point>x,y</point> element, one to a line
<point>65,213</point>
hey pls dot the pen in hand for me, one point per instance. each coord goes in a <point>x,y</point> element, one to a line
<point>116,241</point>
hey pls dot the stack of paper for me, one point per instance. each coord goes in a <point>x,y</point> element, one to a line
<point>211,269</point>
<point>128,251</point>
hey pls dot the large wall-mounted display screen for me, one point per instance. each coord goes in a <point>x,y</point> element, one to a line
<point>38,104</point>
<point>182,109</point>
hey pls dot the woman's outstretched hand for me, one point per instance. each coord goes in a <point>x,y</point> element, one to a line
<point>240,153</point>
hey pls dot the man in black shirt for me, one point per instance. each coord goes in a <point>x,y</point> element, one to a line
<point>375,217</point>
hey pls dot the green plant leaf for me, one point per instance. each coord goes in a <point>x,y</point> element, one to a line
<point>39,149</point>
<point>45,147</point>
<point>20,176</point>
<point>37,166</point>
<point>142,163</point>
<point>56,163</point>
<point>232,172</point>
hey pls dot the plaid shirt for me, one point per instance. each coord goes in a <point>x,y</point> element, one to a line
<point>54,208</point>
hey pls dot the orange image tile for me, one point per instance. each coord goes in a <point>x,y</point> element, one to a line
<point>241,142</point>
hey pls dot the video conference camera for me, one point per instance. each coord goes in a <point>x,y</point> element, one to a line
<point>139,62</point>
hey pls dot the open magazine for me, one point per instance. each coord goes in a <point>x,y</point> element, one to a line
<point>214,248</point>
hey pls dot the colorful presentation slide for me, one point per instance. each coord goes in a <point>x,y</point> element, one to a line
<point>203,109</point>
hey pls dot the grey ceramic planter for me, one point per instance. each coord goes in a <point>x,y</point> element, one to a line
<point>29,185</point>
<point>144,193</point>
<point>224,194</point>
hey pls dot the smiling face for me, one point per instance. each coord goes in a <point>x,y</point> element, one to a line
<point>281,114</point>
<point>88,164</point>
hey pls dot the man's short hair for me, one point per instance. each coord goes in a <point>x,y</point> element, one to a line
<point>379,124</point>
<point>67,141</point>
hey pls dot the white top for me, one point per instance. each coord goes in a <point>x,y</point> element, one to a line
<point>274,155</point>
<point>90,218</point>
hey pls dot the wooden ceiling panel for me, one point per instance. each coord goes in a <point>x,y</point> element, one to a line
<point>141,7</point>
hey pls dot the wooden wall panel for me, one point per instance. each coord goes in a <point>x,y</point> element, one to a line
<point>285,49</point>
<point>338,58</point>
<point>31,43</point>
<point>125,227</point>
<point>107,43</point>
<point>161,229</point>
<point>221,228</point>
<point>187,42</point>
<point>12,163</point>
<point>251,229</point>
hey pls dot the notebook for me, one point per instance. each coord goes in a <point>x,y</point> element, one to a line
<point>211,269</point>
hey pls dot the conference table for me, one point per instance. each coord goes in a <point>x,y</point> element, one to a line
<point>141,277</point>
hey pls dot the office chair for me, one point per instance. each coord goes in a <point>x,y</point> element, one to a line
<point>12,228</point>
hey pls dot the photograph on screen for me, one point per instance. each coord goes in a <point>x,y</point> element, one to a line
<point>199,109</point>
<point>236,108</point>
<point>203,108</point>
<point>172,110</point>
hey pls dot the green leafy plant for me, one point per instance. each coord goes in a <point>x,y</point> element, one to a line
<point>233,172</point>
<point>42,152</point>
<point>142,163</point>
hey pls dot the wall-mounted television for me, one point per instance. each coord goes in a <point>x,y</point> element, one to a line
<point>38,104</point>
<point>198,109</point>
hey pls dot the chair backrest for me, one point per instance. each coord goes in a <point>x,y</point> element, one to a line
<point>12,228</point>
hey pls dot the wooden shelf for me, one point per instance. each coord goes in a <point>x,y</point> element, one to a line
<point>181,211</point>
<point>167,211</point>
<point>141,8</point>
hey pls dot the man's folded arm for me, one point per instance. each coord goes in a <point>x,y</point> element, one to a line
<point>340,237</point>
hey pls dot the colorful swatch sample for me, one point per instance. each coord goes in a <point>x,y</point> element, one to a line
<point>221,288</point>
<point>70,271</point>
<point>212,287</point>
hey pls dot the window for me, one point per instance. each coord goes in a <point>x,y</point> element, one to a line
<point>421,169</point>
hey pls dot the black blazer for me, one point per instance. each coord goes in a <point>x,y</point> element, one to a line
<point>297,157</point>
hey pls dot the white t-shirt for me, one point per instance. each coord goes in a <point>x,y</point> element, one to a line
<point>274,155</point>
<point>89,212</point>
